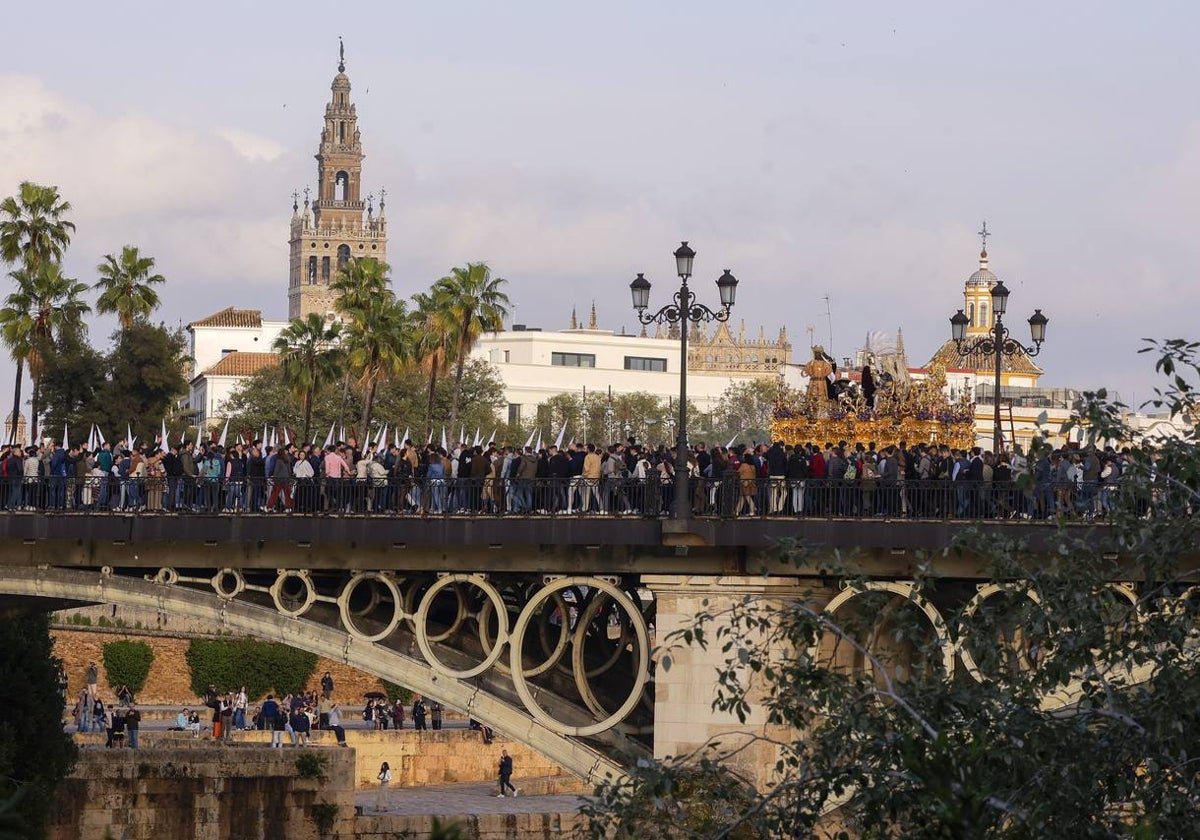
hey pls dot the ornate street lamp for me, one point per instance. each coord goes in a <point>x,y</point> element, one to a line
<point>683,310</point>
<point>998,344</point>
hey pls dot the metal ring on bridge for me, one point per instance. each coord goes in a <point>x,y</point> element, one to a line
<point>310,591</point>
<point>422,616</point>
<point>641,672</point>
<point>909,593</point>
<point>372,579</point>
<point>218,583</point>
<point>985,592</point>
<point>167,576</point>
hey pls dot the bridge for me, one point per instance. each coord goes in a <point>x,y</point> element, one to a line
<point>542,627</point>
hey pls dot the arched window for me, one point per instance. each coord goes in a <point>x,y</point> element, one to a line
<point>983,318</point>
<point>341,186</point>
<point>325,269</point>
<point>341,131</point>
<point>971,313</point>
<point>312,270</point>
<point>343,257</point>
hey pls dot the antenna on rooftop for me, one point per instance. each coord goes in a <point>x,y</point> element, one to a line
<point>829,316</point>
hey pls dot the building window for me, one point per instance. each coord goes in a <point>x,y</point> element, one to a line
<point>573,359</point>
<point>506,352</point>
<point>312,270</point>
<point>325,269</point>
<point>514,414</point>
<point>644,363</point>
<point>343,254</point>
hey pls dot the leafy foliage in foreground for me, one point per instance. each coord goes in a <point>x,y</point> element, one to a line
<point>1084,722</point>
<point>35,752</point>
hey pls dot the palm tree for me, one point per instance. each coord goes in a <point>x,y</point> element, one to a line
<point>436,340</point>
<point>310,359</point>
<point>379,344</point>
<point>475,304</point>
<point>125,286</point>
<point>359,283</point>
<point>33,232</point>
<point>44,305</point>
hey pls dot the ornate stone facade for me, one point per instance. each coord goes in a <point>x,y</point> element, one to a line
<point>338,224</point>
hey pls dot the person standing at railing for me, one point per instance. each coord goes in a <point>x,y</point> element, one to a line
<point>591,481</point>
<point>235,479</point>
<point>435,481</point>
<point>776,459</point>
<point>256,477</point>
<point>155,482</point>
<point>281,480</point>
<point>336,471</point>
<point>748,485</point>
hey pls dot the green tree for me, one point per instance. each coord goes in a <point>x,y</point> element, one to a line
<point>746,408</point>
<point>33,232</point>
<point>1084,721</point>
<point>35,753</point>
<point>436,341</point>
<point>126,286</point>
<point>72,381</point>
<point>309,359</point>
<point>379,344</point>
<point>145,379</point>
<point>474,304</point>
<point>44,305</point>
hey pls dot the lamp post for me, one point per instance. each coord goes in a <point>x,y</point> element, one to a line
<point>682,311</point>
<point>998,344</point>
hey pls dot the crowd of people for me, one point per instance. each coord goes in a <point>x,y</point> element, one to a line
<point>623,478</point>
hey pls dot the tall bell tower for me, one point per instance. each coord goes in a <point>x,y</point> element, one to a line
<point>337,224</point>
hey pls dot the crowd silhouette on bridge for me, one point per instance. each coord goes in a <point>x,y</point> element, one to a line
<point>851,480</point>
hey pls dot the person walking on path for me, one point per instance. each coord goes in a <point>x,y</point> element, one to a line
<point>327,685</point>
<point>93,676</point>
<point>506,770</point>
<point>385,778</point>
<point>435,714</point>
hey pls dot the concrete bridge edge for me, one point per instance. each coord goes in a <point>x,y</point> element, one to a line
<point>262,623</point>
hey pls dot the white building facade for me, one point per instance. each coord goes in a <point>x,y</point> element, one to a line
<point>226,347</point>
<point>537,365</point>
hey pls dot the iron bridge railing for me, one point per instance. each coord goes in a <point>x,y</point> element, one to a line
<point>728,497</point>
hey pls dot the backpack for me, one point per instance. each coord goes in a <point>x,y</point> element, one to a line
<point>851,470</point>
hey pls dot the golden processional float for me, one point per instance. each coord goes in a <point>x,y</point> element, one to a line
<point>833,409</point>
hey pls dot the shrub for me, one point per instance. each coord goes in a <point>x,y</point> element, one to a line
<point>260,666</point>
<point>311,765</point>
<point>127,663</point>
<point>397,692</point>
<point>324,814</point>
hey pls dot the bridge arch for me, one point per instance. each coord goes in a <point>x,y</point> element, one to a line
<point>100,586</point>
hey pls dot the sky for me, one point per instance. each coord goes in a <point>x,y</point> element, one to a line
<point>814,149</point>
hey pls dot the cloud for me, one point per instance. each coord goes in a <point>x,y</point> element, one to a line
<point>197,200</point>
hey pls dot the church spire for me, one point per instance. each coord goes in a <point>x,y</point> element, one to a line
<point>592,317</point>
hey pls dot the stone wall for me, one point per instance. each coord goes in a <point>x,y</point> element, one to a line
<point>169,682</point>
<point>449,756</point>
<point>475,827</point>
<point>200,792</point>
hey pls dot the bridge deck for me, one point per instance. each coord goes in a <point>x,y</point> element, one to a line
<point>550,544</point>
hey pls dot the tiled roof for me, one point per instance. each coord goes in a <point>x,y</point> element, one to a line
<point>230,317</point>
<point>239,363</point>
<point>949,358</point>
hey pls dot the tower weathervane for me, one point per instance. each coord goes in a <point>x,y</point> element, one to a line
<point>983,235</point>
<point>341,55</point>
<point>295,201</point>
